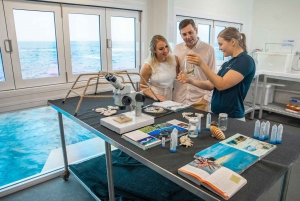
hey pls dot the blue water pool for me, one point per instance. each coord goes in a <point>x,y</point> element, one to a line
<point>27,138</point>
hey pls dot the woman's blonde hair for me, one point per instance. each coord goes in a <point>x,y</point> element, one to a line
<point>152,59</point>
<point>232,32</point>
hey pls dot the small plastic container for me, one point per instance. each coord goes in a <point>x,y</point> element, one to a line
<point>192,129</point>
<point>208,121</point>
<point>294,101</point>
<point>222,122</point>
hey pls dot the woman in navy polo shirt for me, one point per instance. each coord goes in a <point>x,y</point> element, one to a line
<point>233,80</point>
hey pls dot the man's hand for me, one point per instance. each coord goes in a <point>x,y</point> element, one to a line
<point>183,78</point>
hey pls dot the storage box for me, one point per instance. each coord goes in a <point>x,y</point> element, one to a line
<point>269,95</point>
<point>275,62</point>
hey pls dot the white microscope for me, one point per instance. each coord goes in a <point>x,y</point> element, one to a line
<point>123,95</point>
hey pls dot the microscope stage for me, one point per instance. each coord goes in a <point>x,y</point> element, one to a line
<point>134,124</point>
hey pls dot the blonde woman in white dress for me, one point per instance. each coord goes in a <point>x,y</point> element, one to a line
<point>159,70</point>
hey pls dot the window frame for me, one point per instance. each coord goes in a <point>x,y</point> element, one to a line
<point>5,55</point>
<point>20,83</point>
<point>124,13</point>
<point>70,9</point>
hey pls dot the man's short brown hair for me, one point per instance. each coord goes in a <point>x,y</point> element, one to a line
<point>186,22</point>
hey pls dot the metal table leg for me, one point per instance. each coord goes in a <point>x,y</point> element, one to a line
<point>66,173</point>
<point>262,97</point>
<point>109,172</point>
<point>254,97</point>
<point>285,185</point>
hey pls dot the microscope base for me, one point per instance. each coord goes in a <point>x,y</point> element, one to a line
<point>136,123</point>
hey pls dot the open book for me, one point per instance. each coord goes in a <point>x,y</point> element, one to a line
<point>237,153</point>
<point>171,105</point>
<point>249,145</point>
<point>145,137</point>
<point>211,175</point>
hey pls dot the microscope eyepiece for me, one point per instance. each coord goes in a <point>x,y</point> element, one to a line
<point>114,81</point>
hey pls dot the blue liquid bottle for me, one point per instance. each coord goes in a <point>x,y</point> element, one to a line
<point>208,121</point>
<point>262,131</point>
<point>199,124</point>
<point>279,134</point>
<point>273,134</point>
<point>267,130</point>
<point>256,129</point>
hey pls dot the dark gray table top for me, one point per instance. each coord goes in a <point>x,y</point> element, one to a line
<point>260,176</point>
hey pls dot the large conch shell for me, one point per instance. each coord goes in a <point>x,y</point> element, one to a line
<point>216,132</point>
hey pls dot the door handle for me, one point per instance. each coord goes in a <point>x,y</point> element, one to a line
<point>108,43</point>
<point>7,45</point>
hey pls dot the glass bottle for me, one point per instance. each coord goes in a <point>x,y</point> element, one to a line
<point>192,129</point>
<point>222,122</point>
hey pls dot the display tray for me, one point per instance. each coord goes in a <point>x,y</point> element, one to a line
<point>156,111</point>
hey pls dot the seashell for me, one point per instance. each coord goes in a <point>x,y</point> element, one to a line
<point>185,140</point>
<point>217,133</point>
<point>109,112</point>
<point>101,110</point>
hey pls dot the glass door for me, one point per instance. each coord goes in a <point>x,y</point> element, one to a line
<point>6,74</point>
<point>123,40</point>
<point>84,31</point>
<point>35,30</point>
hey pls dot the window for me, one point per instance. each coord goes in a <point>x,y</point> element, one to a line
<point>37,41</point>
<point>85,47</point>
<point>208,31</point>
<point>124,48</point>
<point>53,43</point>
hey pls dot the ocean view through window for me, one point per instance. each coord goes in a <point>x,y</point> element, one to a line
<point>123,51</point>
<point>35,31</point>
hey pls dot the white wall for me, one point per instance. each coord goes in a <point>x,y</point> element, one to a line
<point>273,21</point>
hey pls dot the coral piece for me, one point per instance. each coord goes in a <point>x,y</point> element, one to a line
<point>113,107</point>
<point>216,132</point>
<point>185,140</point>
<point>155,110</point>
<point>186,115</point>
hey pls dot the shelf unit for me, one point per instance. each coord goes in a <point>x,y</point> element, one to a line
<point>277,107</point>
<point>251,107</point>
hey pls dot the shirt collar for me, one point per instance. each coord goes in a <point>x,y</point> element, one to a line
<point>199,42</point>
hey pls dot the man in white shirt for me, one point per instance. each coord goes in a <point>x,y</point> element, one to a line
<point>186,93</point>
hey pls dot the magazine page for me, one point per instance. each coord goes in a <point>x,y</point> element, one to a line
<point>141,139</point>
<point>225,182</point>
<point>164,130</point>
<point>198,170</point>
<point>229,157</point>
<point>249,145</point>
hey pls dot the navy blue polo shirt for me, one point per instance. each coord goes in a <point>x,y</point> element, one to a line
<point>231,100</point>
